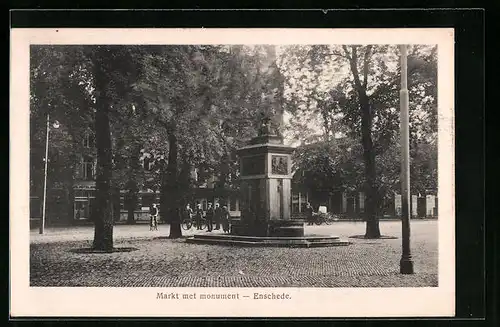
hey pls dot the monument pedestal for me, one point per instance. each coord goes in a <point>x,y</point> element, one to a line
<point>266,189</point>
<point>266,202</point>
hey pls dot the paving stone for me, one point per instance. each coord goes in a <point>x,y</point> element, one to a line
<point>162,262</point>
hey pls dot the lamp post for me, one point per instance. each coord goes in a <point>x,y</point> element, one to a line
<point>406,263</point>
<point>56,125</point>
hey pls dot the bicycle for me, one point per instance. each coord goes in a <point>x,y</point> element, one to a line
<point>321,218</point>
<point>187,223</point>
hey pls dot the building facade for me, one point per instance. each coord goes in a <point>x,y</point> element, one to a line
<point>351,205</point>
<point>75,204</point>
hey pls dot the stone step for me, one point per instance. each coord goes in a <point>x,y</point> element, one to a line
<point>269,238</point>
<point>260,242</point>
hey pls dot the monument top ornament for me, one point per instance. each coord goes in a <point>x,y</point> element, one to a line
<point>265,127</point>
<point>267,131</point>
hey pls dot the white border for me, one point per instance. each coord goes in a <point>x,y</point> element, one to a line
<point>306,302</point>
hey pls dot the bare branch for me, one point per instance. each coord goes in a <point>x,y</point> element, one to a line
<point>347,55</point>
<point>353,62</point>
<point>365,65</point>
<point>339,54</point>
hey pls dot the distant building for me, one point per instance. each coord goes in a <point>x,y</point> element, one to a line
<point>338,202</point>
<point>352,204</point>
<point>84,182</point>
<point>348,203</point>
<point>82,199</point>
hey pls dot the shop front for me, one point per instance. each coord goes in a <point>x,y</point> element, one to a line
<point>84,201</point>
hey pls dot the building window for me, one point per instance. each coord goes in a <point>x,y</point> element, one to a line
<point>88,169</point>
<point>88,140</point>
<point>361,202</point>
<point>299,202</point>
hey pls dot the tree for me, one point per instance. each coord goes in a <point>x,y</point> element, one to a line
<point>360,85</point>
<point>131,133</point>
<point>358,59</point>
<point>114,72</point>
<point>320,168</point>
<point>82,84</point>
<point>204,99</point>
<point>102,59</point>
<point>59,86</point>
<point>357,87</point>
<point>167,90</point>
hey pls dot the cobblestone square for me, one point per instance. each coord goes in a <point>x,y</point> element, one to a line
<point>160,262</point>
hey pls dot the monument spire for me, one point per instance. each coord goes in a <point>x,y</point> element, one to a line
<point>274,89</point>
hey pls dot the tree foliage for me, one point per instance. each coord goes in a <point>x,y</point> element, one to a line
<point>186,107</point>
<point>204,100</point>
<point>353,92</point>
<point>80,86</point>
<point>59,84</point>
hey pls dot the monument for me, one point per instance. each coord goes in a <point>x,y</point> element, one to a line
<point>265,181</point>
<point>265,188</point>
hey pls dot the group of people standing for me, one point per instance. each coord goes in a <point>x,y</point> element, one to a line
<point>218,215</point>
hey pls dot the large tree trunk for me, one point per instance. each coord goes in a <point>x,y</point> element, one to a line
<point>103,233</point>
<point>171,188</point>
<point>372,224</point>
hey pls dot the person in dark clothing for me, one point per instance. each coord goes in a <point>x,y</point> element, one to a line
<point>154,218</point>
<point>198,215</point>
<point>225,219</point>
<point>309,214</point>
<point>217,216</point>
<point>210,217</point>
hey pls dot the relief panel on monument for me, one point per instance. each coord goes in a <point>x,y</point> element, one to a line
<point>279,165</point>
<point>253,165</point>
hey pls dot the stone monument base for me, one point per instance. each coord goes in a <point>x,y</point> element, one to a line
<point>273,228</point>
<point>260,241</point>
<point>274,233</point>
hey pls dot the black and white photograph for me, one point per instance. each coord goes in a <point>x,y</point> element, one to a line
<point>209,172</point>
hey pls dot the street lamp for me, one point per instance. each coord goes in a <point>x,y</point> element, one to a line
<point>406,263</point>
<point>55,125</point>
